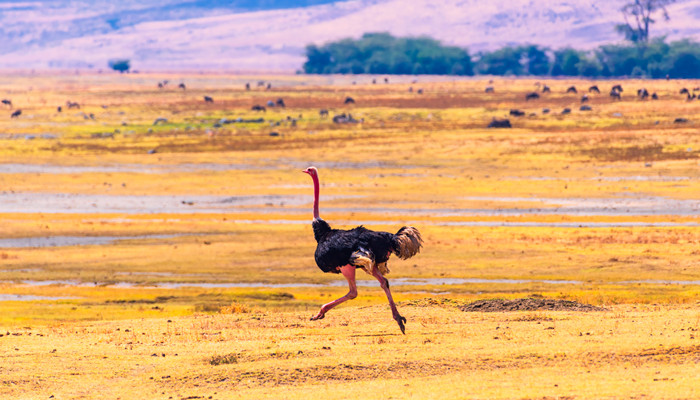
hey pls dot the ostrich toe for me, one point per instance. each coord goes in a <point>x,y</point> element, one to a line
<point>317,317</point>
<point>401,320</point>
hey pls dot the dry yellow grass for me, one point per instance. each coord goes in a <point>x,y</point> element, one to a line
<point>120,321</point>
<point>628,351</point>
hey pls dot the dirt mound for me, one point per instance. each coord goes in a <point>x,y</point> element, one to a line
<point>527,304</point>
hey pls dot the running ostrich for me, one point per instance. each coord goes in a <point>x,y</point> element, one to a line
<point>342,251</point>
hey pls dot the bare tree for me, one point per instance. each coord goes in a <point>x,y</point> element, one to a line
<point>638,18</point>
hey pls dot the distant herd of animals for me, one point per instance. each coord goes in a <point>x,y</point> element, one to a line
<point>345,118</point>
<point>615,93</point>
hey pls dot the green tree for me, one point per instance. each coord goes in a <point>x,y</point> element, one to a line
<point>589,67</point>
<point>683,59</point>
<point>504,61</point>
<point>317,60</point>
<point>120,65</point>
<point>686,66</point>
<point>638,18</point>
<point>536,60</point>
<point>381,53</point>
<point>566,62</point>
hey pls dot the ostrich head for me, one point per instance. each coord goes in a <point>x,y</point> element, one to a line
<point>311,171</point>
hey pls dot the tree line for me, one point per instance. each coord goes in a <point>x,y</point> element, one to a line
<point>382,53</point>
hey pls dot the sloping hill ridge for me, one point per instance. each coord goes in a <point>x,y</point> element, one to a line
<point>270,35</point>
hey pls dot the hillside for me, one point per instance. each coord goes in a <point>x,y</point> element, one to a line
<point>271,35</point>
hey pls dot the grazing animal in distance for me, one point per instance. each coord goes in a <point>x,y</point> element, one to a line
<point>571,89</point>
<point>584,98</point>
<point>531,96</point>
<point>269,86</point>
<point>280,102</point>
<point>247,86</point>
<point>72,104</point>
<point>323,113</point>
<point>566,111</point>
<point>680,120</point>
<point>7,102</point>
<point>685,91</point>
<point>420,91</point>
<point>182,86</point>
<point>349,100</point>
<point>16,114</point>
<point>489,89</point>
<point>546,89</point>
<point>643,93</point>
<point>343,251</point>
<point>346,119</point>
<point>617,88</point>
<point>208,99</point>
<point>516,112</point>
<point>499,123</point>
<point>270,103</point>
<point>593,88</point>
<point>59,109</point>
<point>585,108</point>
<point>654,96</point>
<point>258,107</point>
<point>615,95</point>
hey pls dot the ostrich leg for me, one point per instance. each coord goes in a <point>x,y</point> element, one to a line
<point>394,311</point>
<point>348,272</point>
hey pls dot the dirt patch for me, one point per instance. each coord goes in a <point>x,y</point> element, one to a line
<point>527,304</point>
<point>654,152</point>
<point>677,353</point>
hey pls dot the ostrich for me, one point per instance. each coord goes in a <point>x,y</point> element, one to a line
<point>342,251</point>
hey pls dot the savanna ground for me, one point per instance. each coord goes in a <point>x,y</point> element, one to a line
<point>175,260</point>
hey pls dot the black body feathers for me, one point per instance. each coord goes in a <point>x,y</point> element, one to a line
<point>359,245</point>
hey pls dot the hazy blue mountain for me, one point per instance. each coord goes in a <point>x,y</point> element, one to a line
<point>252,35</point>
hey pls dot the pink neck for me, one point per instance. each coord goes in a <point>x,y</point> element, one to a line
<point>316,191</point>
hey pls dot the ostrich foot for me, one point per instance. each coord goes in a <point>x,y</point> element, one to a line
<point>401,320</point>
<point>318,316</point>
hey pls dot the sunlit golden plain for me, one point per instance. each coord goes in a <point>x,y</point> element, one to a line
<point>155,245</point>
